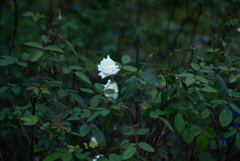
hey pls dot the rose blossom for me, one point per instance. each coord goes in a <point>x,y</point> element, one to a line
<point>111,85</point>
<point>107,67</point>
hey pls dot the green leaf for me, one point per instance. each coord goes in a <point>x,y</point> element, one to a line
<point>188,135</point>
<point>34,119</point>
<point>126,59</point>
<point>54,48</point>
<point>34,44</point>
<point>66,70</point>
<point>221,102</point>
<point>142,131</point>
<point>71,47</point>
<point>53,156</point>
<point>81,156</point>
<point>153,114</point>
<point>84,130</point>
<point>87,90</point>
<point>225,117</point>
<point>16,89</point>
<point>23,64</point>
<point>209,89</point>
<point>46,124</point>
<point>146,147</point>
<point>95,101</point>
<point>130,68</point>
<point>25,119</point>
<point>210,71</point>
<point>231,131</point>
<point>98,135</point>
<point>202,143</point>
<point>195,66</point>
<point>128,153</point>
<point>67,156</point>
<point>236,94</point>
<point>62,93</point>
<point>205,113</point>
<point>5,62</point>
<point>99,86</point>
<point>36,56</point>
<point>196,130</point>
<point>10,58</point>
<point>74,67</point>
<point>167,123</point>
<point>179,123</point>
<point>209,132</point>
<point>83,77</point>
<point>125,144</point>
<point>238,140</point>
<point>129,87</point>
<point>232,78</point>
<point>186,75</point>
<point>78,99</point>
<point>3,89</point>
<point>85,114</point>
<point>202,79</point>
<point>25,56</point>
<point>150,78</point>
<point>222,86</point>
<point>44,90</point>
<point>190,80</point>
<point>235,107</point>
<point>74,118</point>
<point>224,68</point>
<point>93,116</point>
<point>109,91</point>
<point>61,57</point>
<point>105,112</point>
<point>44,38</point>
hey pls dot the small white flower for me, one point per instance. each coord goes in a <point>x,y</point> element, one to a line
<point>93,139</point>
<point>100,155</point>
<point>108,67</point>
<point>111,85</point>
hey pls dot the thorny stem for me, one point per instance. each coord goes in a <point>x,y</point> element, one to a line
<point>169,21</point>
<point>137,101</point>
<point>229,49</point>
<point>195,29</point>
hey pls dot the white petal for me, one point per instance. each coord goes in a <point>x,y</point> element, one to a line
<point>99,68</point>
<point>116,71</point>
<point>102,75</point>
<point>115,96</point>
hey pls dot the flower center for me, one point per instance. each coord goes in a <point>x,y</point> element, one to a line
<point>108,67</point>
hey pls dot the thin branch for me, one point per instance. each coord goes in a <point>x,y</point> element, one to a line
<point>169,22</point>
<point>137,96</point>
<point>192,40</point>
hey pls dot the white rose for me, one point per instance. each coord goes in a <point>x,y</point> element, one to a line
<point>111,85</point>
<point>93,139</point>
<point>100,155</point>
<point>107,67</point>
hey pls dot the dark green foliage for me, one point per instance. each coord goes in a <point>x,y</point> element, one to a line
<point>178,84</point>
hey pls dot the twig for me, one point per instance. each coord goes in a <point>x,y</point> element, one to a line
<point>169,21</point>
<point>137,101</point>
<point>229,49</point>
<point>192,40</point>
